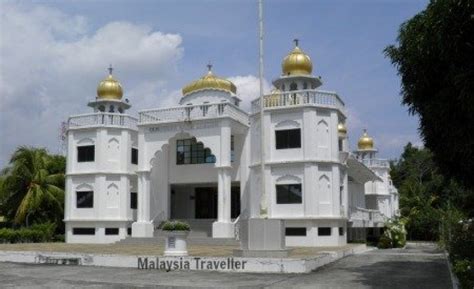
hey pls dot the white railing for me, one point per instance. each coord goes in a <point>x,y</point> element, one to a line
<point>357,213</point>
<point>102,119</point>
<point>300,97</point>
<point>159,217</point>
<point>376,163</point>
<point>237,223</point>
<point>194,112</point>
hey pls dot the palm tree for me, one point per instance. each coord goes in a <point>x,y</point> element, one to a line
<point>30,186</point>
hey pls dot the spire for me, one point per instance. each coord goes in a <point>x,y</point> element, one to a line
<point>110,69</point>
<point>209,67</point>
<point>296,41</point>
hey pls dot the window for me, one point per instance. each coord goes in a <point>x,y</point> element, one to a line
<point>324,231</point>
<point>295,231</point>
<point>293,86</point>
<point>341,231</point>
<point>111,231</point>
<point>85,199</point>
<point>85,153</point>
<point>288,194</point>
<point>340,145</point>
<point>129,231</point>
<point>232,152</point>
<point>133,200</point>
<point>135,156</point>
<point>305,85</point>
<point>83,231</point>
<point>189,151</point>
<point>288,138</point>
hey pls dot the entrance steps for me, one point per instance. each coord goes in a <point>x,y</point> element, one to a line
<point>200,234</point>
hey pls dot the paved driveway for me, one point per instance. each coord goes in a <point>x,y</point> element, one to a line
<point>416,267</point>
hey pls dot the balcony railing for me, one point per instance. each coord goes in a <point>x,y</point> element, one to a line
<point>376,163</point>
<point>194,112</point>
<point>362,214</point>
<point>300,97</point>
<point>102,119</point>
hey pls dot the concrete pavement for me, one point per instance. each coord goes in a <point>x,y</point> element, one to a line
<point>415,267</point>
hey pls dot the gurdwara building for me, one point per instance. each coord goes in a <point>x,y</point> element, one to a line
<point>201,161</point>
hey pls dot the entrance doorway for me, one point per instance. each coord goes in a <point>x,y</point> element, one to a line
<point>205,203</point>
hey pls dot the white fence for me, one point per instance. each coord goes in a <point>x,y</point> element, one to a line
<point>194,112</point>
<point>102,119</point>
<point>300,97</point>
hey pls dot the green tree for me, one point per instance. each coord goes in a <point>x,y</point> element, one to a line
<point>425,194</point>
<point>435,59</point>
<point>32,187</point>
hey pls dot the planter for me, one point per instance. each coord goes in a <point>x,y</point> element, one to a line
<point>176,243</point>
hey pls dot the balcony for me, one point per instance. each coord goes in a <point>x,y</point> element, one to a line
<point>194,112</point>
<point>300,98</point>
<point>376,163</point>
<point>102,119</point>
<point>361,217</point>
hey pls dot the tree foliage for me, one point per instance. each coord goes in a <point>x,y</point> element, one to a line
<point>425,194</point>
<point>32,187</point>
<point>435,59</point>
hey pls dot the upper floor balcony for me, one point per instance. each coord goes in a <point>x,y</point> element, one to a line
<point>102,119</point>
<point>362,217</point>
<point>376,163</point>
<point>194,112</point>
<point>300,98</point>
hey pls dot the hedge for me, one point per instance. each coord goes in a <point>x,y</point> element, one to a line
<point>34,234</point>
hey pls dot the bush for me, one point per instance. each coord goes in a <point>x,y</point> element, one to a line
<point>34,234</point>
<point>384,242</point>
<point>175,226</point>
<point>394,235</point>
<point>461,254</point>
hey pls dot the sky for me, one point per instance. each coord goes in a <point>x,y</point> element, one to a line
<point>54,53</point>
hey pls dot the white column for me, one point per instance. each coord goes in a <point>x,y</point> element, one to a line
<point>224,228</point>
<point>143,227</point>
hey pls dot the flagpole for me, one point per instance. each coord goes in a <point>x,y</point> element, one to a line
<point>263,198</point>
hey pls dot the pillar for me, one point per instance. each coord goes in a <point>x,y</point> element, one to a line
<point>143,227</point>
<point>223,227</point>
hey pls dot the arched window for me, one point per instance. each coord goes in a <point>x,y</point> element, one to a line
<point>112,109</point>
<point>120,110</point>
<point>305,85</point>
<point>293,86</point>
<point>102,108</point>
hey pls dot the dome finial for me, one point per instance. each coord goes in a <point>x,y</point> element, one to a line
<point>296,41</point>
<point>110,69</point>
<point>209,66</point>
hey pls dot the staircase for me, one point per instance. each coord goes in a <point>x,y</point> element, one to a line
<point>200,234</point>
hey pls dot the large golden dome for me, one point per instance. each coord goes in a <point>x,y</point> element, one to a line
<point>365,142</point>
<point>109,88</point>
<point>209,81</point>
<point>297,62</point>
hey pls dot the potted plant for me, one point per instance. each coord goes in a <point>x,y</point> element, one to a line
<point>176,234</point>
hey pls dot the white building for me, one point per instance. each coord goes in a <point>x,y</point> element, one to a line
<point>200,161</point>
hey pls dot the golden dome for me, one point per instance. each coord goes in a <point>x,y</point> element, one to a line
<point>297,62</point>
<point>365,142</point>
<point>342,129</point>
<point>209,81</point>
<point>109,88</point>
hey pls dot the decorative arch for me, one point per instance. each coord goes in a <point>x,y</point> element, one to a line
<point>288,124</point>
<point>84,187</point>
<point>85,141</point>
<point>288,179</point>
<point>112,197</point>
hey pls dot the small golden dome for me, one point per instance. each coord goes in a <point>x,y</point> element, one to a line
<point>342,129</point>
<point>365,142</point>
<point>109,88</point>
<point>209,81</point>
<point>297,62</point>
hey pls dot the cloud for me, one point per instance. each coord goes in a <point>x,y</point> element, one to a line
<point>51,64</point>
<point>248,89</point>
